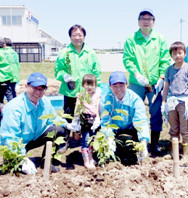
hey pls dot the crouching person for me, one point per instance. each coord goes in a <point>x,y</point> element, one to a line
<point>21,120</point>
<point>134,120</point>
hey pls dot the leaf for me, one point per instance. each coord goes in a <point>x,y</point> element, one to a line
<point>59,140</point>
<point>58,156</point>
<point>105,113</point>
<point>99,134</point>
<point>122,111</point>
<point>53,150</point>
<point>117,118</point>
<point>113,126</point>
<point>107,123</point>
<point>96,145</point>
<point>51,134</point>
<point>107,103</point>
<point>47,116</point>
<point>68,116</point>
<point>58,123</point>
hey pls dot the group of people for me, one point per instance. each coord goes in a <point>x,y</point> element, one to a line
<point>147,59</point>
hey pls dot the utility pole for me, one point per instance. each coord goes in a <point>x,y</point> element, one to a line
<point>181,21</point>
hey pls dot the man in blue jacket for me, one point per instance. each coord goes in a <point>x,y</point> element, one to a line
<point>123,102</point>
<point>21,120</point>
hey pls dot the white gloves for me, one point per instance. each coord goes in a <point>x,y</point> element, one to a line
<point>143,154</point>
<point>112,144</point>
<point>164,112</point>
<point>141,79</point>
<point>159,85</point>
<point>67,78</point>
<point>28,166</point>
<point>96,124</point>
<point>75,125</point>
<point>164,109</point>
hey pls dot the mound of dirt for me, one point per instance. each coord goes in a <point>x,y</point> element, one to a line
<point>154,178</point>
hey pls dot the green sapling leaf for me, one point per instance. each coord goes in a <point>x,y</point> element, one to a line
<point>48,116</point>
<point>59,140</point>
<point>117,118</point>
<point>51,134</point>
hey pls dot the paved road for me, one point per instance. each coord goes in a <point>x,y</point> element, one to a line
<point>111,62</point>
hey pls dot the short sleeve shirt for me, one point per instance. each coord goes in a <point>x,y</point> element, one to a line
<point>178,80</point>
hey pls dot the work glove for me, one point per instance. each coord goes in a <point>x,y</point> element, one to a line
<point>73,126</point>
<point>67,78</point>
<point>96,124</point>
<point>28,167</point>
<point>112,144</point>
<point>141,79</point>
<point>159,85</point>
<point>143,153</point>
<point>164,112</point>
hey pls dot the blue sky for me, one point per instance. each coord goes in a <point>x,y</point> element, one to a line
<point>107,22</point>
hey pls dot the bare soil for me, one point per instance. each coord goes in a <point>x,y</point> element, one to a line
<point>153,178</point>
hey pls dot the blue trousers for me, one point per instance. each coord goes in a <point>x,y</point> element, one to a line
<point>154,108</point>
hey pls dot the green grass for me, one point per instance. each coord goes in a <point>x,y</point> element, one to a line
<point>48,70</point>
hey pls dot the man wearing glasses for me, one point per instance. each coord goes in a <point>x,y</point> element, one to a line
<point>21,120</point>
<point>146,58</point>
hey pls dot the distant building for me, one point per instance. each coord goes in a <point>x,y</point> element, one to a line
<point>31,43</point>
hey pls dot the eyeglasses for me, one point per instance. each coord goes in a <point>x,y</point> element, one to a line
<point>147,19</point>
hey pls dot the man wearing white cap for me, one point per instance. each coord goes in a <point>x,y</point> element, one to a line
<point>134,120</point>
<point>146,58</point>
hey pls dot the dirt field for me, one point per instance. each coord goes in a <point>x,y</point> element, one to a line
<point>153,178</point>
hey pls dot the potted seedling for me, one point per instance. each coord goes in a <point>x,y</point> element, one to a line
<point>70,84</point>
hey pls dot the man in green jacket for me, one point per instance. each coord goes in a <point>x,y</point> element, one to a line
<point>13,60</point>
<point>146,58</point>
<point>73,62</point>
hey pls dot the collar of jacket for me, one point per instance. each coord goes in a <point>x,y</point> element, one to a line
<point>140,36</point>
<point>84,48</point>
<point>29,105</point>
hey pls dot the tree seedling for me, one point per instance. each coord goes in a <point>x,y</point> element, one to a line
<point>68,63</point>
<point>13,157</point>
<point>56,141</point>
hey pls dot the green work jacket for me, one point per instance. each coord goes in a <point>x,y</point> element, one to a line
<point>5,71</point>
<point>13,60</point>
<point>81,63</point>
<point>149,57</point>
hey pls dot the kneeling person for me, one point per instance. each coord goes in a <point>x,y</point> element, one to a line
<point>136,122</point>
<point>21,120</point>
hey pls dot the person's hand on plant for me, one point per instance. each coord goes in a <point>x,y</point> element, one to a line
<point>143,153</point>
<point>141,79</point>
<point>159,85</point>
<point>96,124</point>
<point>28,167</point>
<point>67,78</point>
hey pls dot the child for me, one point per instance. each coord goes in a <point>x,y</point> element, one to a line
<point>175,95</point>
<point>87,107</point>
